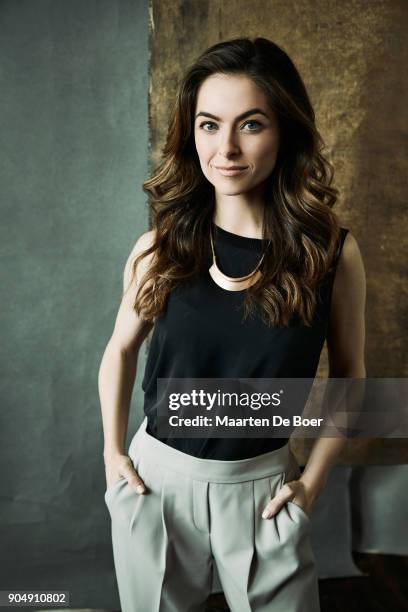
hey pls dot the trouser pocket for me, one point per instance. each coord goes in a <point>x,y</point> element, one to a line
<point>122,500</point>
<point>293,472</point>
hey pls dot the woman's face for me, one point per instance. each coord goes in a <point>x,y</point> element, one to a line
<point>235,127</point>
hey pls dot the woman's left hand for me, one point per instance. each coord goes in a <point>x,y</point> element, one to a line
<point>295,491</point>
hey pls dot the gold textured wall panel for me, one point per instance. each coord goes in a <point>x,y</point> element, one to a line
<point>352,56</point>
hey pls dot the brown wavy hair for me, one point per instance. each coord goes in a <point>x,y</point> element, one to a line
<point>297,217</point>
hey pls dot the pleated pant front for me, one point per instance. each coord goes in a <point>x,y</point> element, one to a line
<point>200,512</point>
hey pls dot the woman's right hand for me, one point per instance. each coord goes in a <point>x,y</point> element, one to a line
<point>121,466</point>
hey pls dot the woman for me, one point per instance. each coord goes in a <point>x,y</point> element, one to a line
<point>245,273</point>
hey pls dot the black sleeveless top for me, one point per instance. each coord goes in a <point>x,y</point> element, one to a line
<point>201,335</point>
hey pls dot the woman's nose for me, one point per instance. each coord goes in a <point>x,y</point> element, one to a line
<point>228,143</point>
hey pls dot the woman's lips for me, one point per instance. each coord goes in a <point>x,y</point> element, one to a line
<point>232,171</point>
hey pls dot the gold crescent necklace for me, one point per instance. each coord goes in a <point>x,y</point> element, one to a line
<point>231,283</point>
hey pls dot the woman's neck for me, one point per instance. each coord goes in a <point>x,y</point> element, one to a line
<point>239,224</point>
<point>240,214</point>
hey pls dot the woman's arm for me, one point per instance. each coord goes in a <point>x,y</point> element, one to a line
<point>345,343</point>
<point>117,370</point>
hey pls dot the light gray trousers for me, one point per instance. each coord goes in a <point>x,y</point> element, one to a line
<point>200,512</point>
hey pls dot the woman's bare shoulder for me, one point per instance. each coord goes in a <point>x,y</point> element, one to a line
<point>143,243</point>
<point>131,328</point>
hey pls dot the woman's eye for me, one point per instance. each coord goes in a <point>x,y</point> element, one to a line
<point>206,123</point>
<point>253,123</point>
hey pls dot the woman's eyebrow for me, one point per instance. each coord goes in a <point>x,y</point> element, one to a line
<point>251,111</point>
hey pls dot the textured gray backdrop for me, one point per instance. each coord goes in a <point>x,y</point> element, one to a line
<point>74,148</point>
